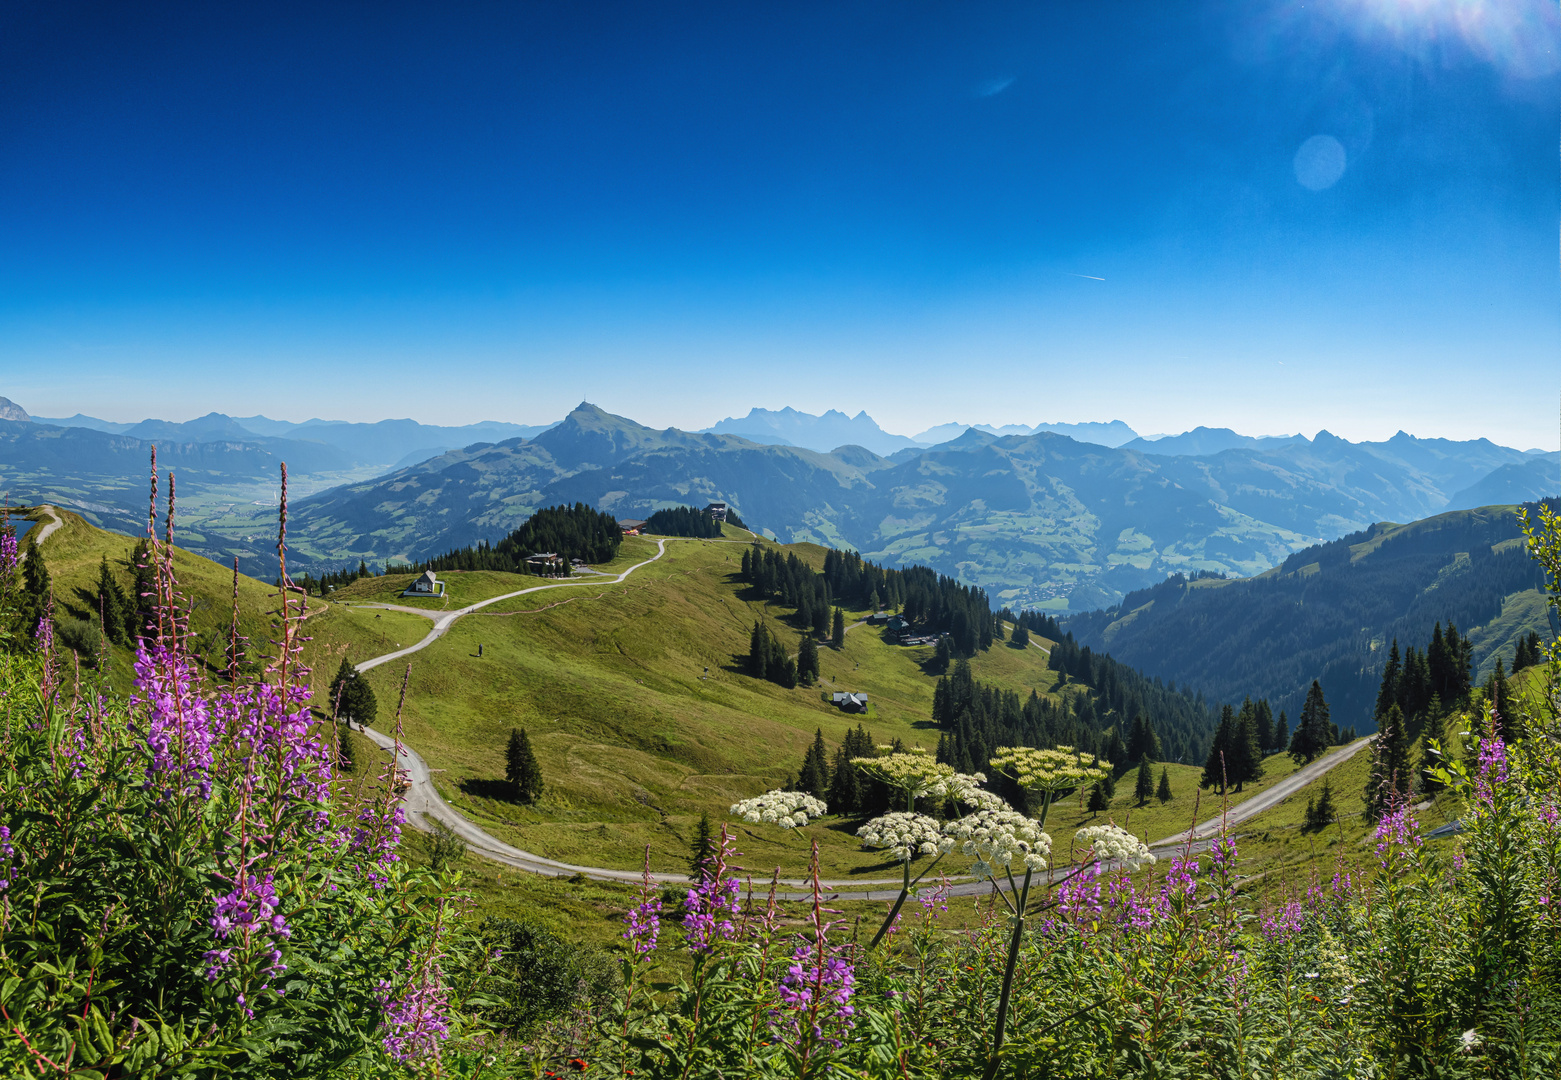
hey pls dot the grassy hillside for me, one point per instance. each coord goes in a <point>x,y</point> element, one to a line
<point>1330,613</point>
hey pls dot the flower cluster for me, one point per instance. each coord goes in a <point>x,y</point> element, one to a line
<point>1283,922</point>
<point>919,776</point>
<point>179,733</point>
<point>416,1020</point>
<point>8,854</point>
<point>788,809</point>
<point>821,986</point>
<point>995,838</point>
<point>905,835</point>
<point>1491,770</point>
<point>1110,844</point>
<point>1057,769</point>
<point>1398,830</point>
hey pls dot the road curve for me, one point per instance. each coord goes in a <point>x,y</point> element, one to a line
<point>444,622</point>
<point>424,804</point>
<point>48,530</point>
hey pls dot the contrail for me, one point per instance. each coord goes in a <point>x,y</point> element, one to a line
<point>1091,277</point>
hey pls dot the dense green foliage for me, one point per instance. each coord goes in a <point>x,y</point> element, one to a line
<point>1324,613</point>
<point>687,521</point>
<point>571,532</point>
<point>351,699</point>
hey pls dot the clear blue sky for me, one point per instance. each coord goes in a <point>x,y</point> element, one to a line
<point>493,210</point>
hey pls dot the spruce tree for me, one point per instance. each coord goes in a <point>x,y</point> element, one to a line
<point>521,768</point>
<point>1144,789</point>
<point>845,788</point>
<point>807,660</point>
<point>1391,777</point>
<point>1021,636</point>
<point>1265,726</point>
<point>837,633</point>
<point>814,777</point>
<point>1320,815</point>
<point>701,849</point>
<point>1163,792</point>
<point>142,606</point>
<point>1387,692</point>
<point>1245,759</point>
<point>110,603</point>
<point>1281,741</point>
<point>1216,768</point>
<point>1098,799</point>
<point>1313,731</point>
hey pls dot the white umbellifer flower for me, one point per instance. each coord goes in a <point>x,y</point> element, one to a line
<point>997,838</point>
<point>1057,769</point>
<point>905,835</point>
<point>918,775</point>
<point>788,809</point>
<point>1112,844</point>
<point>977,799</point>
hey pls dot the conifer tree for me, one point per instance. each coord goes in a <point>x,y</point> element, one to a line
<point>1144,789</point>
<point>807,660</point>
<point>701,849</point>
<point>1216,768</point>
<point>1098,799</point>
<point>942,653</point>
<point>1387,692</point>
<point>814,777</point>
<point>845,788</point>
<point>1314,732</point>
<point>1265,726</point>
<point>837,633</point>
<point>110,603</point>
<point>1321,814</point>
<point>1245,761</point>
<point>1391,777</point>
<point>521,768</point>
<point>142,605</point>
<point>1163,792</point>
<point>1020,636</point>
<point>351,697</point>
<point>1281,733</point>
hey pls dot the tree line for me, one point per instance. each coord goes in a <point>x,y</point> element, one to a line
<point>687,521</point>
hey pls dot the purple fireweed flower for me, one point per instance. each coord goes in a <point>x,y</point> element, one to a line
<point>820,987</point>
<point>179,734</point>
<point>273,722</point>
<point>7,859</point>
<point>1397,833</point>
<point>1283,922</point>
<point>1130,908</point>
<point>416,1020</point>
<point>1080,897</point>
<point>7,553</point>
<point>644,921</point>
<point>707,908</point>
<point>1181,883</point>
<point>1491,769</point>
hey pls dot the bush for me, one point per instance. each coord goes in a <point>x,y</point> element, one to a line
<point>533,975</point>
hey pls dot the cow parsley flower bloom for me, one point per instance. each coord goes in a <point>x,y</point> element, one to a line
<point>788,809</point>
<point>906,835</point>
<point>997,838</point>
<point>1108,844</point>
<point>919,776</point>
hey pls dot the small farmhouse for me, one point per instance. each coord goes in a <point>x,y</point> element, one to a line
<point>425,584</point>
<point>717,510</point>
<point>631,526</point>
<point>849,702</point>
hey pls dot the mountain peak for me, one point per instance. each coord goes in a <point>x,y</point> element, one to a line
<point>10,410</point>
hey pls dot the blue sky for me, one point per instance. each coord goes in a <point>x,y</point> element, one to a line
<point>1340,215</point>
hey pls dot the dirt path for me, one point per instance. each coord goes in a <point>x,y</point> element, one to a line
<point>443,621</point>
<point>47,531</point>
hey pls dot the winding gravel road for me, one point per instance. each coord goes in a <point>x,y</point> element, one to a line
<point>424,804</point>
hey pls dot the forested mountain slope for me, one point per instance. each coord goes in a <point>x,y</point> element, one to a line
<point>1331,611</point>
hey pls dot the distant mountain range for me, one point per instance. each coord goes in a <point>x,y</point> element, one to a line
<point>1038,518</point>
<point>387,444</point>
<point>1330,612</point>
